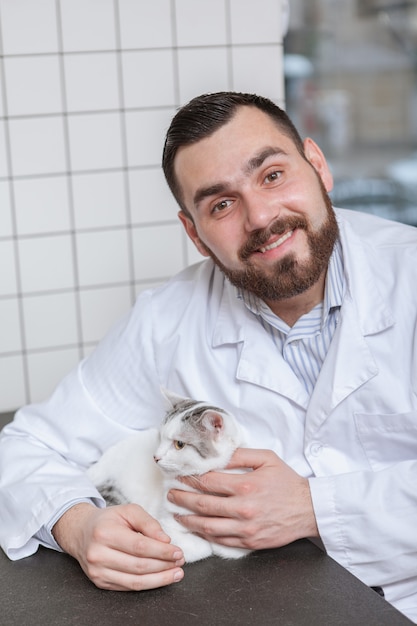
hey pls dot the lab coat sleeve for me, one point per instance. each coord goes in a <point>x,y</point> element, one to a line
<point>367,521</point>
<point>45,451</point>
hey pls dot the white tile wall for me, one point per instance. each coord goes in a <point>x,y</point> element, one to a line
<point>146,24</point>
<point>87,25</point>
<point>150,198</point>
<point>9,315</point>
<point>46,263</point>
<point>50,320</point>
<point>46,368</point>
<point>87,91</point>
<point>102,257</point>
<point>41,205</point>
<point>8,279</point>
<point>99,200</point>
<point>158,251</point>
<point>201,23</point>
<point>13,376</point>
<point>99,309</point>
<point>33,85</point>
<point>156,86</point>
<point>203,69</point>
<point>145,133</point>
<point>6,227</point>
<point>91,81</point>
<point>37,145</point>
<point>29,27</point>
<point>95,141</point>
<point>264,17</point>
<point>4,169</point>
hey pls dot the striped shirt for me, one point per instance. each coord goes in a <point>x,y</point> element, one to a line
<point>304,346</point>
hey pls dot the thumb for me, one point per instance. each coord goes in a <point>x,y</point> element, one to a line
<point>252,458</point>
<point>140,521</point>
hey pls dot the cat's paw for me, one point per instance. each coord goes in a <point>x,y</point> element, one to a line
<point>194,548</point>
<point>227,552</point>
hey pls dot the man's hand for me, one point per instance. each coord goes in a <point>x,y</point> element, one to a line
<point>120,548</point>
<point>268,507</point>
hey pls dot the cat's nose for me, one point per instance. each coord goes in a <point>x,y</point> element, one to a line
<point>156,459</point>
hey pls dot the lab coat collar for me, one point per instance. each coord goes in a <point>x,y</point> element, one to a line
<point>350,363</point>
<point>237,324</point>
<point>363,272</point>
<point>364,312</point>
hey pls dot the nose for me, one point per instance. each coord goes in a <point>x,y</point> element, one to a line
<point>156,459</point>
<point>260,210</point>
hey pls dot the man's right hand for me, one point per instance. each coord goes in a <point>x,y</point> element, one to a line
<point>120,548</point>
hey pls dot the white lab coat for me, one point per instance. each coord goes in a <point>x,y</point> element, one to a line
<point>356,438</point>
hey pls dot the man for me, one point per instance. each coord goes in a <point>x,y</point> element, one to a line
<point>302,322</point>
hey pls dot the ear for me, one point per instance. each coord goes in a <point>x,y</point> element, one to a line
<point>212,421</point>
<point>171,399</point>
<point>318,161</point>
<point>191,231</point>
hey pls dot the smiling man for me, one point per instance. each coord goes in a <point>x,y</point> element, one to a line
<point>259,207</point>
<point>302,322</point>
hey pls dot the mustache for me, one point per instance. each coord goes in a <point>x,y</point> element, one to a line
<point>259,238</point>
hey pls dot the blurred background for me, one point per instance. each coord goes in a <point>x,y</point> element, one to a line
<point>351,83</point>
<point>87,91</point>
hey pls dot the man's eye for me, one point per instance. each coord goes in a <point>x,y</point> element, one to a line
<point>273,176</point>
<point>220,206</point>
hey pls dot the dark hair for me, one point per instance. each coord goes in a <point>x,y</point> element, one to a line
<point>205,114</point>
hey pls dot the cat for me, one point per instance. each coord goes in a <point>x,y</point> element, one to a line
<point>193,439</point>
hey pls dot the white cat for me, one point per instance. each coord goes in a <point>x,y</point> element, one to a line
<point>194,438</point>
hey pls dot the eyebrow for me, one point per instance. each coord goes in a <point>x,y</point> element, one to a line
<point>259,159</point>
<point>206,192</point>
<point>253,164</point>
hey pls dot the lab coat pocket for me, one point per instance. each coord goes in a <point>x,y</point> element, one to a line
<point>387,439</point>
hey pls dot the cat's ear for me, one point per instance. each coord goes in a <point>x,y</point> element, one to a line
<point>212,421</point>
<point>171,399</point>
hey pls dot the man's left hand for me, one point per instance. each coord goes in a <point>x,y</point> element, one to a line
<point>267,507</point>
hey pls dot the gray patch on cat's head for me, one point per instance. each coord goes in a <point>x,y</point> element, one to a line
<point>191,410</point>
<point>180,409</point>
<point>193,425</point>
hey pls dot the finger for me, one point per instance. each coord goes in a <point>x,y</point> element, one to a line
<point>144,547</point>
<point>115,560</point>
<point>252,458</point>
<point>213,528</point>
<point>122,581</point>
<point>107,566</point>
<point>140,520</point>
<point>128,542</point>
<point>211,483</point>
<point>153,581</point>
<point>202,504</point>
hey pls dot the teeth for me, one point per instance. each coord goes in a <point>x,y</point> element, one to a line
<point>276,243</point>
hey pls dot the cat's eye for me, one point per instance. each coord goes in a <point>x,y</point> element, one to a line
<point>179,445</point>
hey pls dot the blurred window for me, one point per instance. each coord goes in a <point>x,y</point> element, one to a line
<point>351,83</point>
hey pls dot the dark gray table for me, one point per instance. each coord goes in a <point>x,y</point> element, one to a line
<point>297,585</point>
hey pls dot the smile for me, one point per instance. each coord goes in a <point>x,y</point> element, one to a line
<point>276,243</point>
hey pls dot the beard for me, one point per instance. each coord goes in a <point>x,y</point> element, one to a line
<point>288,277</point>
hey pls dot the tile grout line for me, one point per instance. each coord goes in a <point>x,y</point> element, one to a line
<point>19,291</point>
<point>125,156</point>
<point>69,180</point>
<point>177,97</point>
